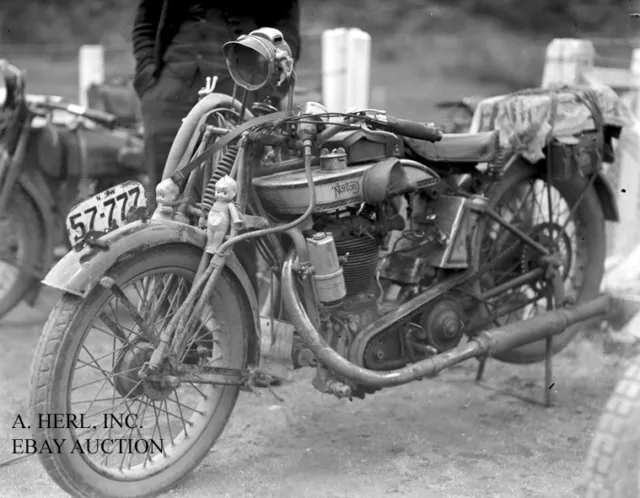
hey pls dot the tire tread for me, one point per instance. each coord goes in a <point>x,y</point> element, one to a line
<point>617,425</point>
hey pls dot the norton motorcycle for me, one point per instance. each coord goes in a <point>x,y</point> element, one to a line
<point>52,154</point>
<point>394,251</point>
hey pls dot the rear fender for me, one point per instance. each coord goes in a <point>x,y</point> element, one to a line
<point>606,196</point>
<point>79,272</point>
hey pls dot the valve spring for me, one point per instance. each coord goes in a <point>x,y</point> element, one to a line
<point>223,168</point>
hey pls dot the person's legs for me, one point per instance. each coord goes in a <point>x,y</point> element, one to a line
<point>161,120</point>
<point>163,108</point>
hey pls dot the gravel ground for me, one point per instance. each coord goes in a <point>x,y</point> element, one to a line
<point>446,437</point>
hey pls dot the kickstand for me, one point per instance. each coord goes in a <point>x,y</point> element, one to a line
<point>480,372</point>
<point>548,373</point>
<point>548,353</point>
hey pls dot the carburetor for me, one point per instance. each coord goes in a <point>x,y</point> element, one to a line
<point>328,276</point>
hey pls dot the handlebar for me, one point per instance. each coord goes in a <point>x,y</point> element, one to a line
<point>408,128</point>
<point>101,118</point>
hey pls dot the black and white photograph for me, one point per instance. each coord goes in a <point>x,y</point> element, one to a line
<point>320,249</point>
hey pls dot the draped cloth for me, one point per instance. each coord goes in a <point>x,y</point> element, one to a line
<point>527,119</point>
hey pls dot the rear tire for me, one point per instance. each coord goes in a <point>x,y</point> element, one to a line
<point>587,259</point>
<point>21,242</point>
<point>62,342</point>
<point>613,461</point>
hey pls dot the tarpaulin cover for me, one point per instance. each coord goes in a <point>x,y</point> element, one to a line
<point>525,119</point>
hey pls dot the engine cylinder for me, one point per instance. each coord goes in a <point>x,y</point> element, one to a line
<point>362,261</point>
<point>328,278</point>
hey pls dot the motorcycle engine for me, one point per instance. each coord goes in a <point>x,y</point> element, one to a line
<point>375,282</point>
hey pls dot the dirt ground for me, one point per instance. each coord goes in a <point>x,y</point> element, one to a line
<point>445,437</point>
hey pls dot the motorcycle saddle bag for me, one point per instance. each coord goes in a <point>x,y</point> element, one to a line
<point>45,152</point>
<point>92,153</point>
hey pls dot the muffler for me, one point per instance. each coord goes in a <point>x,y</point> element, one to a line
<point>488,343</point>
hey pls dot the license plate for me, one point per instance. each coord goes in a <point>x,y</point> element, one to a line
<point>105,210</point>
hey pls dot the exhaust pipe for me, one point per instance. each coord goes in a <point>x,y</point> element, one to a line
<point>487,343</point>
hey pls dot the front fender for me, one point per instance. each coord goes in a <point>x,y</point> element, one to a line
<point>80,271</point>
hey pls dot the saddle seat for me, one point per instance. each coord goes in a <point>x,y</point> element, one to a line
<point>458,147</point>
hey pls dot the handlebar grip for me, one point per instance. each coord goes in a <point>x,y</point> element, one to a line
<point>102,118</point>
<point>413,129</point>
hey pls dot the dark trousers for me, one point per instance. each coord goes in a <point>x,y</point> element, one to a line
<point>163,106</point>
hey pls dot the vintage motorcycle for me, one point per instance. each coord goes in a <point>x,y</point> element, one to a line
<point>48,161</point>
<point>392,249</point>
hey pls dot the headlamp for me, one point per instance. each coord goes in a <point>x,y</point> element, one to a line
<point>255,60</point>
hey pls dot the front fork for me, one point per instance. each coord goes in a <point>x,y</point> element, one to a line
<point>276,336</point>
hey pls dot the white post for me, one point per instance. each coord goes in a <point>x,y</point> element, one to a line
<point>628,155</point>
<point>90,70</point>
<point>346,67</point>
<point>333,69</point>
<point>358,69</point>
<point>565,61</point>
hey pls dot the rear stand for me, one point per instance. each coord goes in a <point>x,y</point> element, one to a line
<point>548,375</point>
<point>548,371</point>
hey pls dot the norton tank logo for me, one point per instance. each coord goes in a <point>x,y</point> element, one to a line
<point>346,188</point>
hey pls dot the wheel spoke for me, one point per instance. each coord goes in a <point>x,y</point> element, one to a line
<point>119,406</point>
<point>537,209</point>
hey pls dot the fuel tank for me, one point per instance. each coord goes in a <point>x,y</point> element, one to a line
<point>287,193</point>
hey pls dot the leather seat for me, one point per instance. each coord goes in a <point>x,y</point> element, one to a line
<point>459,147</point>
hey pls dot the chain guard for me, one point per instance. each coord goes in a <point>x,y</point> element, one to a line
<point>368,354</point>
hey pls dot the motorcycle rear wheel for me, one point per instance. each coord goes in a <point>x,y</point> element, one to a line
<point>584,265</point>
<point>20,246</point>
<point>613,459</point>
<point>57,367</point>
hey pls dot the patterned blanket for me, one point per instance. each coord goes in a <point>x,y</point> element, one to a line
<point>524,119</point>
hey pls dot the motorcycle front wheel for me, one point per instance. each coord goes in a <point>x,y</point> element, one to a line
<point>20,246</point>
<point>570,226</point>
<point>133,437</point>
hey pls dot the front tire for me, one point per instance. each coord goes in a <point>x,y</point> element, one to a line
<point>613,460</point>
<point>65,339</point>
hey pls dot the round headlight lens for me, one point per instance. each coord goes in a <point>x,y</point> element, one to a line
<point>248,67</point>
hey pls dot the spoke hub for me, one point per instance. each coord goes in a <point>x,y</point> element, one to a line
<point>551,236</point>
<point>126,374</point>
